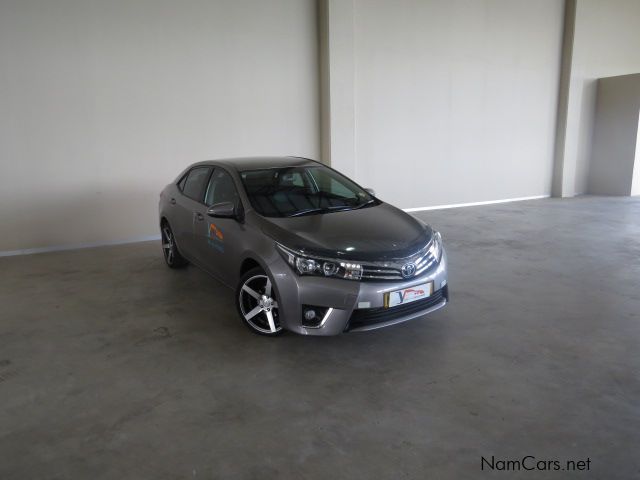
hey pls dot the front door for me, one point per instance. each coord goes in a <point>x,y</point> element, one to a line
<point>218,239</point>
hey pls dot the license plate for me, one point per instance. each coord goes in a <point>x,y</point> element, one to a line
<point>408,295</point>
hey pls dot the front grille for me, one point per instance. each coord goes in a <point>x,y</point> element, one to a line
<point>391,270</point>
<point>371,316</point>
<point>371,272</point>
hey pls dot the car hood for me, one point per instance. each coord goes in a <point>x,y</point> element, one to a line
<point>381,232</point>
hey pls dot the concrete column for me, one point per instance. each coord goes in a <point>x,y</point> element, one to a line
<point>560,177</point>
<point>337,95</point>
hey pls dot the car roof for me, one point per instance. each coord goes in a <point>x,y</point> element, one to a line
<point>256,163</point>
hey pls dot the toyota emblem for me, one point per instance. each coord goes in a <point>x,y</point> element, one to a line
<point>408,270</point>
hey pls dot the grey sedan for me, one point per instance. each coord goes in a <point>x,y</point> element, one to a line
<point>305,248</point>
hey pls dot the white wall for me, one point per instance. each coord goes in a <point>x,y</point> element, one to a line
<point>428,101</point>
<point>103,102</point>
<point>456,101</point>
<point>606,43</point>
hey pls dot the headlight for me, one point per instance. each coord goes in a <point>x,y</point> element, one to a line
<point>305,265</point>
<point>436,246</point>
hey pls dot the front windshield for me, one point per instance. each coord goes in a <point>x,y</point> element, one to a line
<point>296,191</point>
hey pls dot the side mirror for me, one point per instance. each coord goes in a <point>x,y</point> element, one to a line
<point>370,191</point>
<point>223,210</point>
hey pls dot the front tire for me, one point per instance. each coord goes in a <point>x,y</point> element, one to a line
<point>172,256</point>
<point>257,303</point>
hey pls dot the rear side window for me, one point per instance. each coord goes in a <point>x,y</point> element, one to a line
<point>182,181</point>
<point>194,184</point>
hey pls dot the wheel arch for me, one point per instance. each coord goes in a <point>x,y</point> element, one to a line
<point>247,264</point>
<point>249,261</point>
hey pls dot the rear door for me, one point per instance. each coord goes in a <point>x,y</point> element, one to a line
<point>189,207</point>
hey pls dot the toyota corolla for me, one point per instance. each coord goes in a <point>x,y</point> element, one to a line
<point>305,248</point>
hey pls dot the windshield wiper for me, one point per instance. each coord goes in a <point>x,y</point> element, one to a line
<point>368,202</point>
<point>340,208</point>
<point>305,212</point>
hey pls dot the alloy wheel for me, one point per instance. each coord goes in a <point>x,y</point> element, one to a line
<point>258,304</point>
<point>168,245</point>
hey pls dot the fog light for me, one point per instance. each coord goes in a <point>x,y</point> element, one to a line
<point>312,316</point>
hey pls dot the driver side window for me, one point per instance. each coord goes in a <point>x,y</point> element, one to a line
<point>221,188</point>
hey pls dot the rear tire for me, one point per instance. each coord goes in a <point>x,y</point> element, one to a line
<point>257,303</point>
<point>172,256</point>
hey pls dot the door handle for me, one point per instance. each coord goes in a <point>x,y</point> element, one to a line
<point>199,217</point>
<point>172,201</point>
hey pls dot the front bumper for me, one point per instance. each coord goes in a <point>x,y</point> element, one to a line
<point>356,305</point>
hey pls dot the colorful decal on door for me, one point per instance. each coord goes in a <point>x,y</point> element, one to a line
<point>216,238</point>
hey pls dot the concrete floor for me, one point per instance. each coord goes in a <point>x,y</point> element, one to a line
<point>113,366</point>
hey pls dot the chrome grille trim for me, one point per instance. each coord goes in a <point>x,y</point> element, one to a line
<point>391,270</point>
